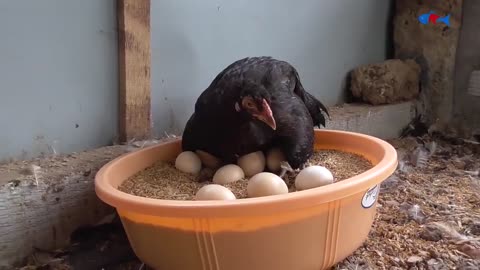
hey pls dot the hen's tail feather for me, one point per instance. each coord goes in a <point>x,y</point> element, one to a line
<point>314,106</point>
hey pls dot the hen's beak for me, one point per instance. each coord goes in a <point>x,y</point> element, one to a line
<point>267,116</point>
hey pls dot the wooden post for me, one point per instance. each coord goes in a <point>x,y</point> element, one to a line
<point>134,69</point>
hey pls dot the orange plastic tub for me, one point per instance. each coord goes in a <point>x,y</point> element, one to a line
<point>309,230</point>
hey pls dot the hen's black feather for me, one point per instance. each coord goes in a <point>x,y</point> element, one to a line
<point>217,128</point>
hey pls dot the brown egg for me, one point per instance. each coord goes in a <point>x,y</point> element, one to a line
<point>228,174</point>
<point>274,157</point>
<point>208,160</point>
<point>188,162</point>
<point>252,163</point>
<point>214,192</point>
<point>266,184</point>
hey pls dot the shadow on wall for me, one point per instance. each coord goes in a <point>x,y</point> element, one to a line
<point>389,52</point>
<point>168,97</point>
<point>467,106</point>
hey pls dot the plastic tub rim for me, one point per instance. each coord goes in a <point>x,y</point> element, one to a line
<point>248,206</point>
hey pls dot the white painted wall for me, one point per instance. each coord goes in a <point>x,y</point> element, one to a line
<point>192,41</point>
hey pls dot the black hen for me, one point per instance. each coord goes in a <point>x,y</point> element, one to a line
<point>254,104</point>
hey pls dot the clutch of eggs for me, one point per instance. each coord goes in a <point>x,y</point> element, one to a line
<point>250,165</point>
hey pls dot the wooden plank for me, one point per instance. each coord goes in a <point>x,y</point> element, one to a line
<point>134,69</point>
<point>41,207</point>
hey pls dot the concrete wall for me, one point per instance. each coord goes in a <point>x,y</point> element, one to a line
<point>58,64</point>
<point>467,107</point>
<point>58,76</point>
<point>192,41</point>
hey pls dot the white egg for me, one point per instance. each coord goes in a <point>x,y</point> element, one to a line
<point>228,174</point>
<point>252,163</point>
<point>266,184</point>
<point>312,177</point>
<point>214,192</point>
<point>274,157</point>
<point>208,160</point>
<point>188,162</point>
